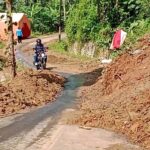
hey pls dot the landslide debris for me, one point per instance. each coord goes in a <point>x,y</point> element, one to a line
<point>29,89</point>
<point>120,99</point>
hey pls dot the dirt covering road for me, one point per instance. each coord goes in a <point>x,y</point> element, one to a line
<point>32,88</point>
<point>120,99</point>
<point>29,89</point>
<point>36,128</point>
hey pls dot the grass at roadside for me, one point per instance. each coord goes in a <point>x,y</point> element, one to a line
<point>20,66</point>
<point>62,48</point>
<point>38,34</point>
<point>2,45</point>
<point>135,33</point>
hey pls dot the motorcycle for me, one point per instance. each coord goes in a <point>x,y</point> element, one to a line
<point>41,61</point>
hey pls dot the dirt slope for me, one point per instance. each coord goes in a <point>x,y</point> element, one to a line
<point>29,89</point>
<point>120,100</point>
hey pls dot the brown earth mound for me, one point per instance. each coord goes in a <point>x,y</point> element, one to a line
<point>120,100</point>
<point>29,89</point>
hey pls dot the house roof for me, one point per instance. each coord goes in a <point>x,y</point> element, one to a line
<point>15,16</point>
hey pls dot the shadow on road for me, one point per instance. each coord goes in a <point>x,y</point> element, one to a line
<point>28,121</point>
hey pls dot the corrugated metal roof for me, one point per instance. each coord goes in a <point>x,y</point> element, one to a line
<point>15,16</point>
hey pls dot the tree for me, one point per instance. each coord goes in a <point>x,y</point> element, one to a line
<point>98,9</point>
<point>82,21</point>
<point>44,14</point>
<point>64,9</point>
<point>2,6</point>
<point>10,46</point>
<point>60,15</point>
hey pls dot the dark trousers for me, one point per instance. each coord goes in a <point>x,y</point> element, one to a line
<point>35,58</point>
<point>19,39</point>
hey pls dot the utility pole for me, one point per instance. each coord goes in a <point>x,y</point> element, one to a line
<point>60,20</point>
<point>10,46</point>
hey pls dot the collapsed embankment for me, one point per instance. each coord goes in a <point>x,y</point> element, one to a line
<point>29,89</point>
<point>120,99</point>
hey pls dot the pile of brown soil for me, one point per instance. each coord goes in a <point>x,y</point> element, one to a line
<point>29,89</point>
<point>120,100</point>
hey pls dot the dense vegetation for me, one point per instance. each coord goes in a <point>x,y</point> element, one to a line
<point>44,14</point>
<point>97,20</point>
<point>87,20</point>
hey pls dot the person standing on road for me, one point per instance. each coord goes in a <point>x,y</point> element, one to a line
<point>19,35</point>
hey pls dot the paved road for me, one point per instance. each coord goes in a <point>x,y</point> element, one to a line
<point>23,130</point>
<point>41,129</point>
<point>32,129</point>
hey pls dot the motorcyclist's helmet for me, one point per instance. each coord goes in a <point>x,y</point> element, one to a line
<point>38,41</point>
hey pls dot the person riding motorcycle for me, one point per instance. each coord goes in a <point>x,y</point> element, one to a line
<point>39,48</point>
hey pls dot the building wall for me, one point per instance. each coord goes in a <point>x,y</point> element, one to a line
<point>24,23</point>
<point>3,35</point>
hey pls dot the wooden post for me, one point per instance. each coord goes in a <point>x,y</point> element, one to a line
<point>10,46</point>
<point>64,9</point>
<point>60,20</point>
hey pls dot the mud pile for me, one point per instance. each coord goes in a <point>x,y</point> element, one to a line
<point>120,100</point>
<point>29,89</point>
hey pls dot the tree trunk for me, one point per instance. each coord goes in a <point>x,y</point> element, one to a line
<point>60,20</point>
<point>27,2</point>
<point>98,9</point>
<point>117,3</point>
<point>10,46</point>
<point>64,9</point>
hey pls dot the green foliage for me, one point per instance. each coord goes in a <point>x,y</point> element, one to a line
<point>136,30</point>
<point>103,37</point>
<point>145,9</point>
<point>59,46</point>
<point>2,6</point>
<point>44,14</point>
<point>2,63</point>
<point>114,54</point>
<point>116,12</point>
<point>87,20</point>
<point>2,45</point>
<point>43,19</point>
<point>82,22</point>
<point>98,20</point>
<point>62,47</point>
